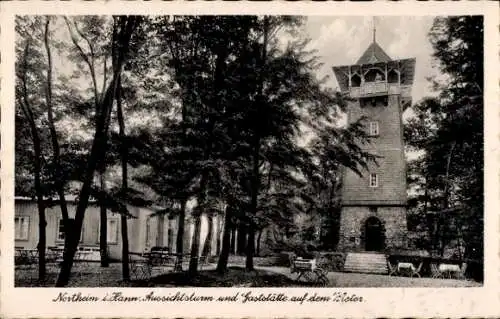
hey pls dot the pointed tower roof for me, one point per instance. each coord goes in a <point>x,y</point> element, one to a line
<point>374,53</point>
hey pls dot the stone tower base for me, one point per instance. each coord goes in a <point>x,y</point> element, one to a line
<point>354,218</point>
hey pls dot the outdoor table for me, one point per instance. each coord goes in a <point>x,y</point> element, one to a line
<point>410,268</point>
<point>140,265</point>
<point>305,268</point>
<point>449,269</point>
<point>30,256</point>
<point>53,255</point>
<point>82,259</point>
<point>405,267</point>
<point>180,258</point>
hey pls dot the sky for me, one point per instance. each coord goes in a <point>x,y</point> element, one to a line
<point>342,40</point>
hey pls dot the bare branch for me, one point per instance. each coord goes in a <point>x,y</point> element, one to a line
<point>53,133</point>
<point>85,57</point>
<point>104,80</point>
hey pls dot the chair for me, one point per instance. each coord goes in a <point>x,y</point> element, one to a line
<point>393,269</point>
<point>140,268</point>
<point>416,271</point>
<point>292,257</point>
<point>435,272</point>
<point>463,269</point>
<point>20,257</point>
<point>203,261</point>
<point>179,259</point>
<point>321,271</point>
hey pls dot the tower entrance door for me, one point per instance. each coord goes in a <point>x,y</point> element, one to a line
<point>374,234</point>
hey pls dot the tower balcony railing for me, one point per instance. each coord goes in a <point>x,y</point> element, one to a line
<point>368,89</point>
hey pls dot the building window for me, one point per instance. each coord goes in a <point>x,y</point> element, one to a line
<point>112,231</point>
<point>60,230</point>
<point>373,180</point>
<point>22,225</point>
<point>374,128</point>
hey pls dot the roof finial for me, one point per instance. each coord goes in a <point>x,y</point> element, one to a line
<point>374,30</point>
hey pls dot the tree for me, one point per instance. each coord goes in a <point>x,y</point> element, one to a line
<point>123,28</point>
<point>95,50</point>
<point>27,89</point>
<point>449,129</point>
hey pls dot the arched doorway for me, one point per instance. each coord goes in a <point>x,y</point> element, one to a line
<point>374,234</point>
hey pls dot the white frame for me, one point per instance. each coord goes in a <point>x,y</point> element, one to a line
<point>112,242</point>
<point>373,175</point>
<point>373,128</point>
<point>18,235</point>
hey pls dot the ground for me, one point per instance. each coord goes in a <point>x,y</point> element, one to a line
<point>95,276</point>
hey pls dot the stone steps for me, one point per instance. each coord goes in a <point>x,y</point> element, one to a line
<point>366,263</point>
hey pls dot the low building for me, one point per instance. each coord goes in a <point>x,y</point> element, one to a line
<point>145,231</point>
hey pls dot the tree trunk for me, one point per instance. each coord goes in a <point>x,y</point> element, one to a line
<point>233,239</point>
<point>447,177</point>
<point>219,234</point>
<point>258,242</point>
<point>103,245</point>
<point>197,213</point>
<point>129,23</point>
<point>124,155</point>
<point>256,158</point>
<point>59,180</point>
<point>179,245</point>
<point>160,230</point>
<point>28,112</point>
<point>103,231</point>
<point>250,249</point>
<point>207,247</point>
<point>195,245</point>
<point>226,244</point>
<point>42,224</point>
<point>241,240</point>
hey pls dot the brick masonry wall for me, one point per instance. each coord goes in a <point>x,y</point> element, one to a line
<point>353,222</point>
<point>390,196</point>
<point>390,167</point>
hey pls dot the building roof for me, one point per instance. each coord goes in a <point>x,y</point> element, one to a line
<point>373,54</point>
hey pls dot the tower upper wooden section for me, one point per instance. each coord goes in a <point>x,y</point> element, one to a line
<point>376,74</point>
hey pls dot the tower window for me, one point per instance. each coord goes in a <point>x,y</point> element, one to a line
<point>393,76</point>
<point>373,180</point>
<point>374,131</point>
<point>374,75</point>
<point>355,81</point>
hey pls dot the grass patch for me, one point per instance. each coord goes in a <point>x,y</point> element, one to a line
<point>234,277</point>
